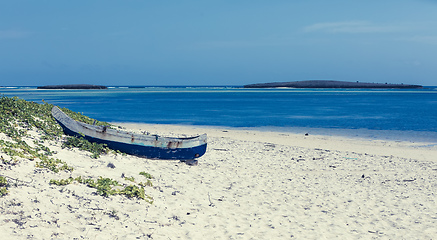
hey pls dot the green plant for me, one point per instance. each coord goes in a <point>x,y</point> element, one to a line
<point>3,191</point>
<point>3,181</point>
<point>61,182</point>
<point>17,116</point>
<point>113,214</point>
<point>147,175</point>
<point>138,192</point>
<point>85,119</point>
<point>106,187</point>
<point>134,191</point>
<point>146,184</point>
<point>132,179</point>
<point>54,165</point>
<point>94,148</point>
<point>3,186</point>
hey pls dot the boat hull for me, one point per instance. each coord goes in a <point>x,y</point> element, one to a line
<point>153,147</point>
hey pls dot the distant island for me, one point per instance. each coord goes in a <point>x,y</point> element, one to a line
<point>328,84</point>
<point>73,86</point>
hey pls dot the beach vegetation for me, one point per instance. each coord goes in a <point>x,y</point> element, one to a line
<point>113,214</point>
<point>62,182</point>
<point>132,179</point>
<point>132,191</point>
<point>3,191</point>
<point>18,117</point>
<point>85,119</point>
<point>148,183</point>
<point>96,149</point>
<point>147,175</point>
<point>3,181</point>
<point>20,149</point>
<point>55,165</point>
<point>106,187</point>
<point>3,186</point>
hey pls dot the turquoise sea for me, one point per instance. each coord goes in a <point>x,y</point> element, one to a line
<point>375,113</point>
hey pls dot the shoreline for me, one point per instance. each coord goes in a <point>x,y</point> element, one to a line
<point>248,185</point>
<point>424,138</point>
<point>364,134</point>
<point>417,149</point>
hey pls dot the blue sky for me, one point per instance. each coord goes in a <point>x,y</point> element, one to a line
<point>188,42</point>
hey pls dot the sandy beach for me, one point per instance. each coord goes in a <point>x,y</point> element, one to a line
<point>249,185</point>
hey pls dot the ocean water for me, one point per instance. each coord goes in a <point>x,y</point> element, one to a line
<point>393,114</point>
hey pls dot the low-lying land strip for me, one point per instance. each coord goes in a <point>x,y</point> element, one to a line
<point>328,84</point>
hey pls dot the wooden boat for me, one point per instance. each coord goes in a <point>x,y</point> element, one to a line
<point>148,146</point>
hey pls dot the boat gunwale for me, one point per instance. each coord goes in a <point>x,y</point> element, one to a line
<point>108,134</point>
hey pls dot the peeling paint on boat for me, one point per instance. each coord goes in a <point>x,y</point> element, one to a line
<point>149,146</point>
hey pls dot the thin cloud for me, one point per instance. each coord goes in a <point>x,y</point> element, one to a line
<point>422,39</point>
<point>266,42</point>
<point>13,34</point>
<point>350,27</point>
<point>234,44</point>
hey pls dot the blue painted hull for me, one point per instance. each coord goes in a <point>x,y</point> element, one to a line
<point>141,150</point>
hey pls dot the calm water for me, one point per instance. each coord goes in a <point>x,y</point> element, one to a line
<point>400,112</point>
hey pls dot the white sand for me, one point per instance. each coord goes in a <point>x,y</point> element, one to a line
<point>249,185</point>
